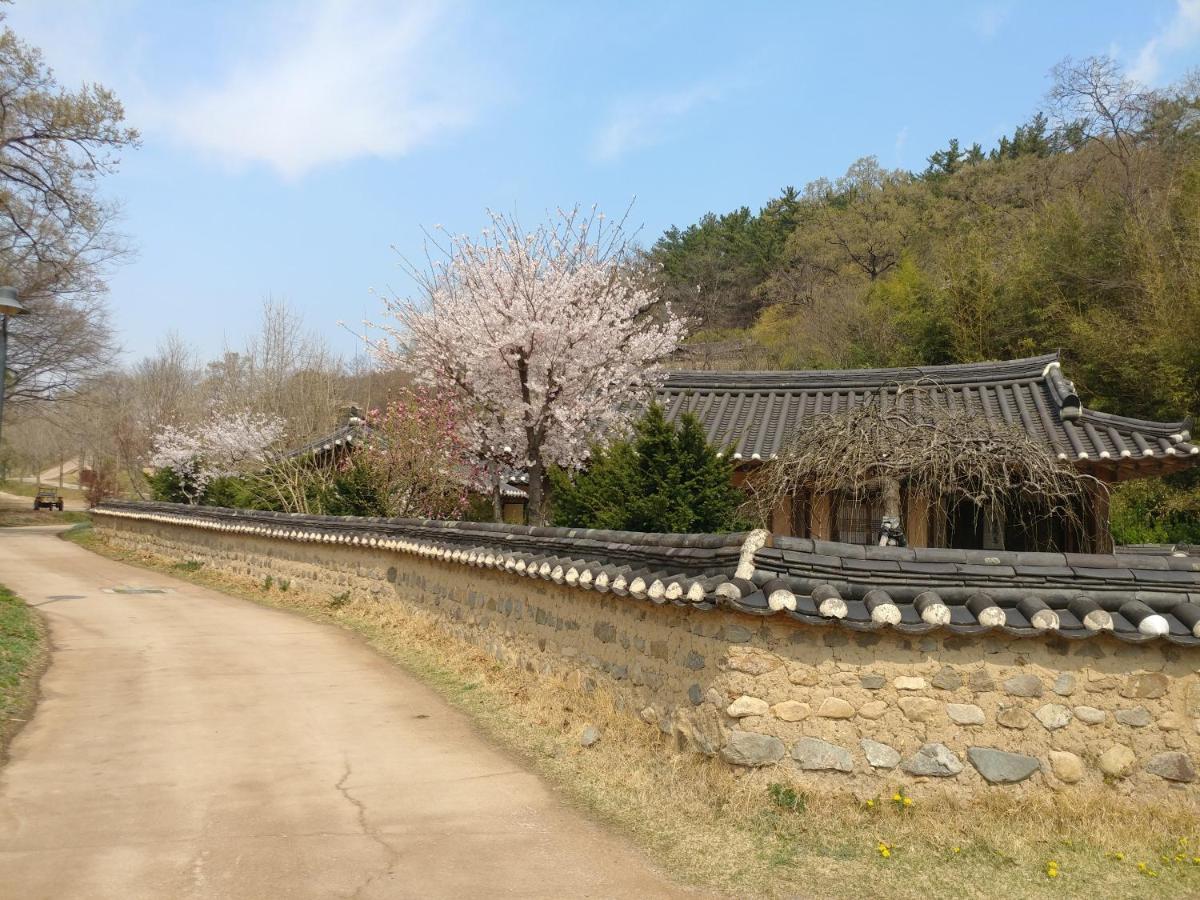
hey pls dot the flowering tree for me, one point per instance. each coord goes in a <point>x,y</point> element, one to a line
<point>224,445</point>
<point>548,338</point>
<point>416,459</point>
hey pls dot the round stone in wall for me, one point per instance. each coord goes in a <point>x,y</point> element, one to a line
<point>1089,715</point>
<point>1064,685</point>
<point>964,713</point>
<point>748,706</point>
<point>791,710</point>
<point>1023,686</point>
<point>880,755</point>
<point>1138,717</point>
<point>1117,761</point>
<point>835,708</point>
<point>1147,686</point>
<point>1066,766</point>
<point>873,709</point>
<point>747,748</point>
<point>813,754</point>
<point>1014,717</point>
<point>920,709</point>
<point>936,760</point>
<point>1172,766</point>
<point>1001,767</point>
<point>947,680</point>
<point>1053,716</point>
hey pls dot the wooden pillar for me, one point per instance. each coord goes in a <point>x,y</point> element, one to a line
<point>821,517</point>
<point>1099,533</point>
<point>916,519</point>
<point>939,522</point>
<point>781,517</point>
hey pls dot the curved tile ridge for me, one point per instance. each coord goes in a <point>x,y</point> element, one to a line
<point>1131,596</point>
<point>685,569</point>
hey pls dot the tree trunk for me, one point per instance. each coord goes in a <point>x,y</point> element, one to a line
<point>536,510</point>
<point>497,494</point>
<point>890,490</point>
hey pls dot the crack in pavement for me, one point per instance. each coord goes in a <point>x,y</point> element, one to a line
<point>393,855</point>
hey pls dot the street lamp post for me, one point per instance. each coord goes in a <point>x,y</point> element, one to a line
<point>10,305</point>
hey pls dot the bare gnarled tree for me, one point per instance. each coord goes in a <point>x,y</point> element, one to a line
<point>908,434</point>
<point>56,232</point>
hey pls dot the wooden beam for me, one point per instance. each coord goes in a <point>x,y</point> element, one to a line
<point>1099,532</point>
<point>781,517</point>
<point>821,517</point>
<point>917,519</point>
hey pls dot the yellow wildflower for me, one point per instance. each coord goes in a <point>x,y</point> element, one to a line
<point>897,797</point>
<point>908,801</point>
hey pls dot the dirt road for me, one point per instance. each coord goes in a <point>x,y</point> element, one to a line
<point>189,744</point>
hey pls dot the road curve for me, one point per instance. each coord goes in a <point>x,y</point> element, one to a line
<point>190,744</point>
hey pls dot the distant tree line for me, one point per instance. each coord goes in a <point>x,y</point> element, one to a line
<point>1080,231</point>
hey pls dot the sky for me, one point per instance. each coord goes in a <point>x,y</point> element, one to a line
<point>299,149</point>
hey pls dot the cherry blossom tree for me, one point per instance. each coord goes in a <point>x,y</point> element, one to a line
<point>416,459</point>
<point>547,337</point>
<point>225,445</point>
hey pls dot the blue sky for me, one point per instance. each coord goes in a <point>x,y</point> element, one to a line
<point>290,146</point>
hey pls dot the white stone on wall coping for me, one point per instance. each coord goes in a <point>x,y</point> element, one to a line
<point>658,588</point>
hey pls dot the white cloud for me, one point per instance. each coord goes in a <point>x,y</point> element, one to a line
<point>290,84</point>
<point>647,119</point>
<point>989,19</point>
<point>344,80</point>
<point>1179,34</point>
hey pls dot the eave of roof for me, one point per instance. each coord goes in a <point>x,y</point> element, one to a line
<point>750,414</point>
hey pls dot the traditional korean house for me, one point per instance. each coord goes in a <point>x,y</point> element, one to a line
<point>752,414</point>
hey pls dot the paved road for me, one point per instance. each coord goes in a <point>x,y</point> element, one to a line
<point>189,744</point>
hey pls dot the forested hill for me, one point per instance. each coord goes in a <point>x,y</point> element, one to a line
<point>1080,232</point>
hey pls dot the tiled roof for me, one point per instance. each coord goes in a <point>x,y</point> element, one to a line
<point>1133,597</point>
<point>343,435</point>
<point>751,414</point>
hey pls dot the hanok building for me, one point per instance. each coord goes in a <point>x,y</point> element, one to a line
<point>752,415</point>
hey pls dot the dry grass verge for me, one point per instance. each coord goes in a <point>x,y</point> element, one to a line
<point>747,832</point>
<point>19,518</point>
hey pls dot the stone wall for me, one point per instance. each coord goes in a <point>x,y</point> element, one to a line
<point>861,711</point>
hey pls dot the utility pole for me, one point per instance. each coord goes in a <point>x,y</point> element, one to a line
<point>9,306</point>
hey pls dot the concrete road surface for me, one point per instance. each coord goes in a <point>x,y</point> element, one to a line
<point>189,744</point>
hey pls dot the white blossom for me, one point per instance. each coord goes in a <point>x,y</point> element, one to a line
<point>549,337</point>
<point>224,445</point>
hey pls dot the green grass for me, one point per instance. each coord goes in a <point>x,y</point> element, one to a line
<point>22,652</point>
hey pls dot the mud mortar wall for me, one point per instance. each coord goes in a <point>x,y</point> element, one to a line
<point>843,709</point>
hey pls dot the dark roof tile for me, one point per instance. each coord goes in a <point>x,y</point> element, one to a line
<point>751,414</point>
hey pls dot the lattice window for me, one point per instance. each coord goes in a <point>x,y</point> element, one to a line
<point>856,519</point>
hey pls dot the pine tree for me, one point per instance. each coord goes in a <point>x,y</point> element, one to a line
<point>665,478</point>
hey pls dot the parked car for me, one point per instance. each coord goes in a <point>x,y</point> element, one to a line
<point>47,498</point>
